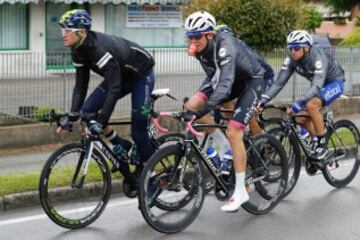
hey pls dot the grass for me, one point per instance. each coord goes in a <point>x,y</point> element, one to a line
<point>18,183</point>
<point>345,135</point>
<point>60,177</point>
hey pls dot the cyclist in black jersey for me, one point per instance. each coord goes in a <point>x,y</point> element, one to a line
<point>232,72</point>
<point>254,127</point>
<point>126,68</point>
<point>327,83</point>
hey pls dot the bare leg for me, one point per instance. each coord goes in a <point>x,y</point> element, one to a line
<point>235,136</point>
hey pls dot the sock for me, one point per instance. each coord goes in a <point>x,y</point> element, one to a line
<point>220,139</point>
<point>115,139</point>
<point>321,139</point>
<point>239,196</point>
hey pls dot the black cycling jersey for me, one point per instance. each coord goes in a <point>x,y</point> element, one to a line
<point>116,59</point>
<point>229,68</point>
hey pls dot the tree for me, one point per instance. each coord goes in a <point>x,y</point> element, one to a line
<point>313,19</point>
<point>344,5</point>
<point>352,39</point>
<point>263,24</point>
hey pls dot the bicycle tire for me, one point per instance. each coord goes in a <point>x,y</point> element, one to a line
<point>149,180</point>
<point>293,152</point>
<point>55,201</point>
<point>257,163</point>
<point>331,138</point>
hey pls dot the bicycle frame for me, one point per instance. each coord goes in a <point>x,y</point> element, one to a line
<point>90,142</point>
<point>190,143</point>
<point>290,124</point>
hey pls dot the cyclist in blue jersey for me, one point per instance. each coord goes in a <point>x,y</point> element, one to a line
<point>327,83</point>
<point>126,68</point>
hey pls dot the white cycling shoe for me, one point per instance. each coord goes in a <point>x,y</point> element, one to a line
<point>235,202</point>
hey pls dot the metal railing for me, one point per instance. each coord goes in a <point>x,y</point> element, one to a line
<point>32,82</point>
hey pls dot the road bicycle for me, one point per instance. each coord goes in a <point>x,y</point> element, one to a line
<point>342,138</point>
<point>182,164</point>
<point>75,182</point>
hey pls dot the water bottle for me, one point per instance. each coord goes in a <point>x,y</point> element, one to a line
<point>304,134</point>
<point>212,153</point>
<point>134,157</point>
<point>120,152</point>
<point>227,162</point>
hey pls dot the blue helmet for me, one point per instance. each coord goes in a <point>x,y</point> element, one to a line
<point>77,18</point>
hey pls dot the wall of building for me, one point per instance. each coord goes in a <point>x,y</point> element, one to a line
<point>98,15</point>
<point>37,34</point>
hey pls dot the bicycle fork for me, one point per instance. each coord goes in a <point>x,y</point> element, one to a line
<point>89,147</point>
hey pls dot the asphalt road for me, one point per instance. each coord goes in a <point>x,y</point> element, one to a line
<point>314,210</point>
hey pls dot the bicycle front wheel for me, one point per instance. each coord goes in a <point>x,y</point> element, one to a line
<point>163,180</point>
<point>342,161</point>
<point>69,197</point>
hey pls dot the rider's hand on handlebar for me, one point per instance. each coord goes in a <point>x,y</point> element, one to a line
<point>294,109</point>
<point>64,126</point>
<point>189,115</point>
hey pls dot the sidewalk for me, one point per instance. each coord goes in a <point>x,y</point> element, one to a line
<point>32,160</point>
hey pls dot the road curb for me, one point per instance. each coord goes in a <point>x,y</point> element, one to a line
<point>31,199</point>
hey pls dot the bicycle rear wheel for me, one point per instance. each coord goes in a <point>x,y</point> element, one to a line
<point>162,181</point>
<point>266,174</point>
<point>67,202</point>
<point>293,152</point>
<point>342,161</point>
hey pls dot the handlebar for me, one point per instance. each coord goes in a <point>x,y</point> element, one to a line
<point>177,115</point>
<point>283,108</point>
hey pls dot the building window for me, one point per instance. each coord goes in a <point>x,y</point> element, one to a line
<point>56,53</point>
<point>13,26</point>
<point>115,23</point>
<point>53,34</point>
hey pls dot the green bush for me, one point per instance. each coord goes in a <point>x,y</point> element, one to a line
<point>312,20</point>
<point>42,114</point>
<point>262,24</point>
<point>353,39</point>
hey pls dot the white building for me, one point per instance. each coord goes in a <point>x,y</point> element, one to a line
<point>31,25</point>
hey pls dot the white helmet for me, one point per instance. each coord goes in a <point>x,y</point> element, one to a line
<point>199,22</point>
<point>299,38</point>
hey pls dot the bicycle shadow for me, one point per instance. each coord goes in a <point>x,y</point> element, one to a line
<point>94,232</point>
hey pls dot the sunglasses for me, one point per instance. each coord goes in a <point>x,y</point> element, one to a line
<point>294,49</point>
<point>195,37</point>
<point>68,30</point>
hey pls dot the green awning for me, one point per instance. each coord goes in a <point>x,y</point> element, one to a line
<point>128,2</point>
<point>18,1</point>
